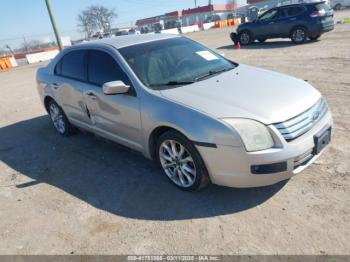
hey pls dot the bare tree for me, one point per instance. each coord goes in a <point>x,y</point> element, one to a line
<point>96,18</point>
<point>86,24</point>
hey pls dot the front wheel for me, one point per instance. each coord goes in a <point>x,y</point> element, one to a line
<point>181,162</point>
<point>59,120</point>
<point>298,35</point>
<point>245,38</point>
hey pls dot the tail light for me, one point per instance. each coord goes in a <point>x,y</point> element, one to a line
<point>318,13</point>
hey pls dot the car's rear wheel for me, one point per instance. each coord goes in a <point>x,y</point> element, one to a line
<point>315,37</point>
<point>245,37</point>
<point>298,35</point>
<point>59,120</point>
<point>181,162</point>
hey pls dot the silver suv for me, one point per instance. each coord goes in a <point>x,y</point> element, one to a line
<point>200,116</point>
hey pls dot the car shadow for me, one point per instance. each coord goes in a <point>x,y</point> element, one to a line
<point>111,177</point>
<point>266,45</point>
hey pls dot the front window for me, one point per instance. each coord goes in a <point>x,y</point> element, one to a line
<point>173,62</point>
<point>268,15</point>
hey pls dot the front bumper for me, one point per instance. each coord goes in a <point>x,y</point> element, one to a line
<point>232,166</point>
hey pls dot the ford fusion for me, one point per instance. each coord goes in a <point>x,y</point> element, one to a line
<point>202,117</point>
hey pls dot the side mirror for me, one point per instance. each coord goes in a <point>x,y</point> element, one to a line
<point>115,87</point>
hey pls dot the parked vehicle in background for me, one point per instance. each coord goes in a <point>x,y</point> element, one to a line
<point>297,21</point>
<point>339,4</point>
<point>212,18</point>
<point>200,116</point>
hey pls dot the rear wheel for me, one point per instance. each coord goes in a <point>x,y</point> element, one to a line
<point>181,162</point>
<point>245,38</point>
<point>298,35</point>
<point>59,120</point>
<point>315,37</point>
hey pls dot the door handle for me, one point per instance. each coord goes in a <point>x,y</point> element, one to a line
<point>271,23</point>
<point>91,95</point>
<point>292,19</point>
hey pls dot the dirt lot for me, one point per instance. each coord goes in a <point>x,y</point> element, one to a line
<point>82,195</point>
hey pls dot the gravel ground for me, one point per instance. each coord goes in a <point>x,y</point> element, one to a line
<point>82,195</point>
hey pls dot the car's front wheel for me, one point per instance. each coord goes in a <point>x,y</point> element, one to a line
<point>181,162</point>
<point>245,38</point>
<point>59,120</point>
<point>298,35</point>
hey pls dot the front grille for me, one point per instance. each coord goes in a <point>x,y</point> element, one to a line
<point>299,125</point>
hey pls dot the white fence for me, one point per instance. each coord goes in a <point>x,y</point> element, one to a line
<point>207,26</point>
<point>42,56</point>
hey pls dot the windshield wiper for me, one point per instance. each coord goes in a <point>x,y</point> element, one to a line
<point>212,72</point>
<point>173,83</point>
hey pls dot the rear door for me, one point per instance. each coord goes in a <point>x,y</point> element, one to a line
<point>70,79</point>
<point>287,18</point>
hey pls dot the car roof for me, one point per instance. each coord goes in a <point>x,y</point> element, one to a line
<point>299,4</point>
<point>128,40</point>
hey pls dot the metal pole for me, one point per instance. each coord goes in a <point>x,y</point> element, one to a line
<point>57,35</point>
<point>195,3</point>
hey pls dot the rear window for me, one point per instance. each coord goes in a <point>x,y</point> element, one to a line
<point>73,65</point>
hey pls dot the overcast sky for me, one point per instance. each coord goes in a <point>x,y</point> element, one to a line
<point>29,18</point>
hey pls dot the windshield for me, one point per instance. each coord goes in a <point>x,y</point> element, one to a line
<point>173,62</point>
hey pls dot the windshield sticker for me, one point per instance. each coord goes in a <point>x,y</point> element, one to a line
<point>207,55</point>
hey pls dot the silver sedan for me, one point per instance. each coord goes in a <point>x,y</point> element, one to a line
<point>202,117</point>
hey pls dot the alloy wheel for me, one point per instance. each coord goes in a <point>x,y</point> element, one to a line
<point>177,163</point>
<point>244,38</point>
<point>57,118</point>
<point>299,35</point>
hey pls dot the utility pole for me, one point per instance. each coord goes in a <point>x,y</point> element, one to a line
<point>25,43</point>
<point>57,35</point>
<point>195,3</point>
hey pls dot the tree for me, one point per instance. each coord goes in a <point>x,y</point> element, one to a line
<point>86,24</point>
<point>96,18</point>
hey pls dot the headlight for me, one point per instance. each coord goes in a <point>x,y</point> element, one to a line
<point>255,135</point>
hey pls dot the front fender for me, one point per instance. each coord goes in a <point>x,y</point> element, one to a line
<point>158,111</point>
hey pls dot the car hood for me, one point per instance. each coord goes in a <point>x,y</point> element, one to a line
<point>247,92</point>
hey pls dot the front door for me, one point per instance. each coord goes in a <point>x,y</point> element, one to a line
<point>116,117</point>
<point>265,26</point>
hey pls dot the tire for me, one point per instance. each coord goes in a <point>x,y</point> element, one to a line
<point>245,37</point>
<point>298,35</point>
<point>59,120</point>
<point>337,7</point>
<point>315,37</point>
<point>181,162</point>
<point>262,40</point>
